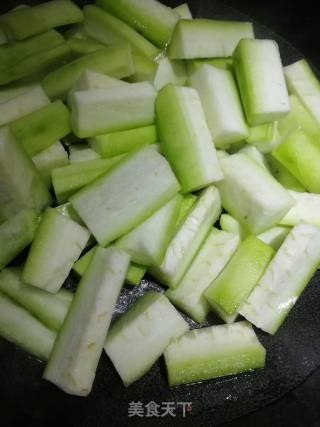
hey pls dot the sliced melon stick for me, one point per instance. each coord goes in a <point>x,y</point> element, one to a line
<point>108,29</point>
<point>183,11</point>
<point>79,47</point>
<point>185,137</point>
<point>187,203</point>
<point>12,53</point>
<point>11,91</point>
<point>42,128</point>
<point>190,38</point>
<point>67,180</point>
<point>139,337</point>
<point>93,80</point>
<point>255,155</point>
<point>141,183</point>
<point>264,137</point>
<point>275,236</point>
<point>145,69</point>
<point>213,352</point>
<point>303,83</point>
<point>170,71</point>
<point>151,18</point>
<point>58,243</point>
<point>98,111</point>
<point>282,175</point>
<point>221,103</point>
<point>78,347</point>
<point>189,238</point>
<point>300,154</point>
<point>23,104</point>
<point>114,60</point>
<point>16,233</point>
<point>230,224</point>
<point>147,243</point>
<point>116,143</point>
<point>251,194</point>
<point>298,117</point>
<point>231,288</point>
<point>25,22</point>
<point>20,184</point>
<point>134,274</point>
<point>34,66</point>
<point>306,208</point>
<point>50,309</point>
<point>194,64</point>
<point>67,210</point>
<point>212,257</point>
<point>82,153</point>
<point>18,326</point>
<point>285,278</point>
<point>49,159</point>
<point>261,81</point>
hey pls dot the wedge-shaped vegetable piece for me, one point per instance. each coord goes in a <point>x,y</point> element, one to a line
<point>92,80</point>
<point>77,350</point>
<point>300,154</point>
<point>170,71</point>
<point>35,65</point>
<point>231,225</point>
<point>185,137</point>
<point>255,155</point>
<point>275,236</point>
<point>25,22</point>
<point>16,233</point>
<point>50,309</point>
<point>20,184</point>
<point>23,104</point>
<point>58,243</point>
<point>193,65</point>
<point>115,61</point>
<point>285,278</point>
<point>232,287</point>
<point>304,84</point>
<point>298,117</point>
<point>282,175</point>
<point>190,38</point>
<point>261,81</point>
<point>67,210</point>
<point>71,178</point>
<point>151,18</point>
<point>134,274</point>
<point>139,337</point>
<point>42,128</point>
<point>99,111</point>
<point>108,29</point>
<point>144,69</point>
<point>132,191</point>
<point>306,208</point>
<point>189,238</point>
<point>251,194</point>
<point>18,326</point>
<point>264,137</point>
<point>116,143</point>
<point>187,203</point>
<point>183,11</point>
<point>212,257</point>
<point>213,352</point>
<point>13,53</point>
<point>147,243</point>
<point>221,103</point>
<point>49,159</point>
<point>82,153</point>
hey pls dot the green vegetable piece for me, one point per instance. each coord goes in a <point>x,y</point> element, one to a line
<point>282,175</point>
<point>230,224</point>
<point>194,64</point>
<point>254,154</point>
<point>187,203</point>
<point>170,71</point>
<point>84,46</point>
<point>275,236</point>
<point>145,69</point>
<point>183,11</point>
<point>135,274</point>
<point>67,210</point>
<point>306,209</point>
<point>82,153</point>
<point>264,137</point>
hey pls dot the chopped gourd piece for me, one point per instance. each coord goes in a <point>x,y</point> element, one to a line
<point>230,224</point>
<point>183,11</point>
<point>81,153</point>
<point>306,208</point>
<point>264,137</point>
<point>283,176</point>
<point>275,236</point>
<point>170,71</point>
<point>145,69</point>
<point>187,203</point>
<point>255,155</point>
<point>93,80</point>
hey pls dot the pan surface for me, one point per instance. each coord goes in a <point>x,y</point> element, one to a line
<point>292,355</point>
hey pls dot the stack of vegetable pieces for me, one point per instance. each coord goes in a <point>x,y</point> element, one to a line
<point>165,121</point>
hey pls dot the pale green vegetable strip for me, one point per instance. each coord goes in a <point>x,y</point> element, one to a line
<point>78,347</point>
<point>213,352</point>
<point>255,155</point>
<point>58,243</point>
<point>132,191</point>
<point>282,175</point>
<point>189,238</point>
<point>230,224</point>
<point>212,257</point>
<point>194,64</point>
<point>285,278</point>
<point>135,273</point>
<point>144,69</point>
<point>264,137</point>
<point>16,233</point>
<point>306,208</point>
<point>20,184</point>
<point>50,309</point>
<point>67,210</point>
<point>187,203</point>
<point>170,71</point>
<point>139,337</point>
<point>93,80</point>
<point>18,326</point>
<point>81,153</point>
<point>80,47</point>
<point>183,11</point>
<point>275,236</point>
